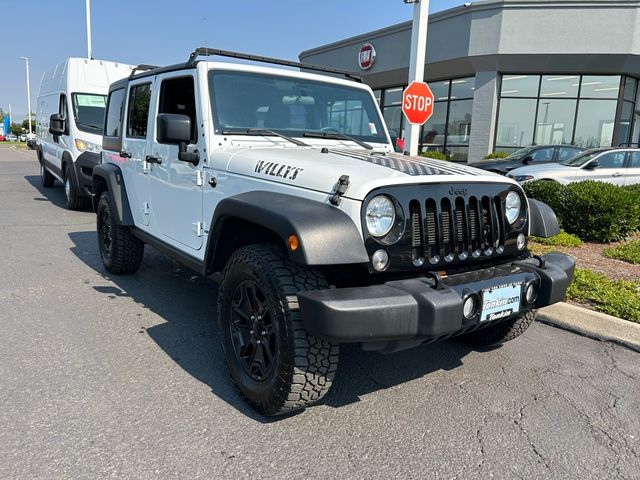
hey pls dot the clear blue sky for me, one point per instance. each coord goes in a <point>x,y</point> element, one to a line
<point>161,32</point>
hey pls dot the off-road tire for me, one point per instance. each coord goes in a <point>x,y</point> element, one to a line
<point>499,333</point>
<point>303,365</point>
<point>47,178</point>
<point>120,251</point>
<point>72,199</point>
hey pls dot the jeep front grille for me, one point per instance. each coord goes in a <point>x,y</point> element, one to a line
<point>448,229</point>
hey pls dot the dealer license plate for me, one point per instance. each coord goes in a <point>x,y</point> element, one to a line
<point>500,302</point>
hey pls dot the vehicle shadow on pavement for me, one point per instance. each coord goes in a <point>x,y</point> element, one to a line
<point>54,194</point>
<point>190,336</point>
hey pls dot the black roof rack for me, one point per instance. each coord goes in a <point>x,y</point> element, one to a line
<point>206,52</point>
<point>142,68</point>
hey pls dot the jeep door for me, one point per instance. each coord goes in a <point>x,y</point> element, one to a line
<point>175,185</point>
<point>135,143</point>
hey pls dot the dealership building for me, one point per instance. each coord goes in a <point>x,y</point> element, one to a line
<point>507,74</point>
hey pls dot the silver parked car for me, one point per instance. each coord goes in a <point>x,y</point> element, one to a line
<point>619,166</point>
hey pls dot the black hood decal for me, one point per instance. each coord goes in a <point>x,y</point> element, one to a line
<point>413,166</point>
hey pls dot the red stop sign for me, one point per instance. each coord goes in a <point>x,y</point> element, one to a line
<point>417,103</point>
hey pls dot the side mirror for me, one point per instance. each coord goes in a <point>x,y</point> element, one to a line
<point>175,129</point>
<point>592,165</point>
<point>528,159</point>
<point>57,124</point>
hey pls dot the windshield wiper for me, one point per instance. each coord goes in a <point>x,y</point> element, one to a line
<point>265,132</point>
<point>337,136</point>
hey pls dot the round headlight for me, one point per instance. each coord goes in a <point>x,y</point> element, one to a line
<point>380,216</point>
<point>513,205</point>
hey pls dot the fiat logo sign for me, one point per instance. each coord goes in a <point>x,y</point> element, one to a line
<point>366,56</point>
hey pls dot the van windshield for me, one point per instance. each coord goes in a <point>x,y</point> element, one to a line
<point>88,111</point>
<point>296,107</point>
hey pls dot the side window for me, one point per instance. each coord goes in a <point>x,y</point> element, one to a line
<point>113,126</point>
<point>177,95</point>
<point>543,155</point>
<point>62,107</point>
<point>138,114</point>
<point>611,160</point>
<point>567,153</point>
<point>634,160</point>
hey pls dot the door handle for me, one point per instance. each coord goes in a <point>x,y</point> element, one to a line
<point>152,159</point>
<point>617,174</point>
<point>124,154</point>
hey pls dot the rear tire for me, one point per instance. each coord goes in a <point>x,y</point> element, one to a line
<point>121,252</point>
<point>500,333</point>
<point>275,363</point>
<point>47,178</point>
<point>73,200</point>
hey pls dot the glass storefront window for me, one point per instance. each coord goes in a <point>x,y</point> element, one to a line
<point>458,154</point>
<point>393,119</point>
<point>378,95</point>
<point>600,86</point>
<point>559,86</point>
<point>393,96</point>
<point>520,85</point>
<point>433,132</point>
<point>626,117</point>
<point>555,121</point>
<point>463,88</point>
<point>630,88</point>
<point>596,120</point>
<point>440,90</point>
<point>459,126</point>
<point>516,122</point>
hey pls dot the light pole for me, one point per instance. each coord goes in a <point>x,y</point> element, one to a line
<point>88,8</point>
<point>26,59</point>
<point>416,62</point>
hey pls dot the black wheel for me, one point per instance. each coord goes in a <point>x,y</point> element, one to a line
<point>501,332</point>
<point>121,252</point>
<point>73,200</point>
<point>276,364</point>
<point>47,178</point>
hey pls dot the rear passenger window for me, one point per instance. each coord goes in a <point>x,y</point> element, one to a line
<point>634,160</point>
<point>113,126</point>
<point>138,114</point>
<point>177,95</point>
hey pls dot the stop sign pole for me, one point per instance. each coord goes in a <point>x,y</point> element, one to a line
<point>416,63</point>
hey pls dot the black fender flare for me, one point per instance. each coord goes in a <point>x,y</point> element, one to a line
<point>327,235</point>
<point>108,177</point>
<point>542,219</point>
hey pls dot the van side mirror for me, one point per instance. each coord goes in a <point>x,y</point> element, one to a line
<point>57,124</point>
<point>175,129</point>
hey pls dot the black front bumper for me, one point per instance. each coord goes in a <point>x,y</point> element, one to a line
<point>423,309</point>
<point>83,170</point>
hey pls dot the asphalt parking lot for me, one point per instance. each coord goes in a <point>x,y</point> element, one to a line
<point>123,377</point>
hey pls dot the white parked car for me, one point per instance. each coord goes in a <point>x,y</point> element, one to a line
<point>619,166</point>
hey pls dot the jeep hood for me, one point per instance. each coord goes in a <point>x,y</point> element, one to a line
<point>312,168</point>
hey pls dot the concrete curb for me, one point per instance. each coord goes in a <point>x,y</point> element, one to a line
<point>598,326</point>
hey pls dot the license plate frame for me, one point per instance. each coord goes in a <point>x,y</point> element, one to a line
<point>501,301</point>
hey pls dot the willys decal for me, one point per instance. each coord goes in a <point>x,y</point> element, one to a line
<point>278,170</point>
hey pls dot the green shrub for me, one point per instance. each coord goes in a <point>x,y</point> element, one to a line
<point>597,211</point>
<point>563,239</point>
<point>496,155</point>
<point>634,189</point>
<point>546,191</point>
<point>435,154</point>
<point>628,252</point>
<point>619,298</point>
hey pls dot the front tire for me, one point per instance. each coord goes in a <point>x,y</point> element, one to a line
<point>276,364</point>
<point>500,333</point>
<point>121,252</point>
<point>73,200</point>
<point>47,178</point>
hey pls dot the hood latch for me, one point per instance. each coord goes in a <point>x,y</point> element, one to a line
<point>341,189</point>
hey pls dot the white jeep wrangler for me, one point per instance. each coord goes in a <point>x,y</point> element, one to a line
<point>283,185</point>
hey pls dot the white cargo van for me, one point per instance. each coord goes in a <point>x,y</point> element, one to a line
<point>69,122</point>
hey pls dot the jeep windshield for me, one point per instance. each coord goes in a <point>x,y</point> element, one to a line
<point>243,102</point>
<point>88,111</point>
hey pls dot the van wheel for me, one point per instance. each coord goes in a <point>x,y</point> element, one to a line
<point>121,252</point>
<point>73,200</point>
<point>46,177</point>
<point>500,333</point>
<point>275,363</point>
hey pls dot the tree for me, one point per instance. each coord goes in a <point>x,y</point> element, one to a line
<point>25,124</point>
<point>16,128</point>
